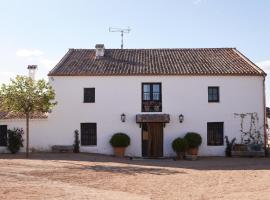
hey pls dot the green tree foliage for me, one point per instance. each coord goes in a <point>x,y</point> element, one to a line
<point>26,96</point>
<point>15,140</point>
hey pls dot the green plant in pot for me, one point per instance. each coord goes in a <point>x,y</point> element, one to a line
<point>194,140</point>
<point>120,141</point>
<point>180,147</point>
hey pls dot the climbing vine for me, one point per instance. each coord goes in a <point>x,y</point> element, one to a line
<point>252,134</point>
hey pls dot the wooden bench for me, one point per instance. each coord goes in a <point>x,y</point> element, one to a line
<point>62,148</point>
<point>248,153</point>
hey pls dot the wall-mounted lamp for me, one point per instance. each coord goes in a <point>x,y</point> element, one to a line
<point>123,117</point>
<point>181,118</point>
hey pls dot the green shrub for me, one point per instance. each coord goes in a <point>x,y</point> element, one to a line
<point>194,140</point>
<point>15,140</point>
<point>180,145</point>
<point>120,140</point>
<point>76,145</point>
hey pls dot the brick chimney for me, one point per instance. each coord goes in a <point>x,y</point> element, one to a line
<point>32,71</point>
<point>100,48</point>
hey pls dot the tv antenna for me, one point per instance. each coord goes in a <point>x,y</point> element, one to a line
<point>122,31</point>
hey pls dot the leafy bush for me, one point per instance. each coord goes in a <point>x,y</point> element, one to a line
<point>180,145</point>
<point>120,140</point>
<point>194,140</point>
<point>76,145</point>
<point>15,140</point>
<point>229,146</point>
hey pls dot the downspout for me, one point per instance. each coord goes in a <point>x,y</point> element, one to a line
<point>264,116</point>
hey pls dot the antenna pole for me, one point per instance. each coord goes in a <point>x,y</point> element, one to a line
<point>122,40</point>
<point>122,31</point>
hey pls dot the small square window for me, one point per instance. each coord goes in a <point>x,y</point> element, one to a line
<point>89,95</point>
<point>213,94</point>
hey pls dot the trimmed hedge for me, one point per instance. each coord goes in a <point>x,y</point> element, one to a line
<point>194,139</point>
<point>180,145</point>
<point>120,140</point>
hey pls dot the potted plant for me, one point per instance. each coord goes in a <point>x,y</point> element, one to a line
<point>120,141</point>
<point>180,147</point>
<point>229,146</point>
<point>194,140</point>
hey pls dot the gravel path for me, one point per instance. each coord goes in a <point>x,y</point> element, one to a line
<point>87,176</point>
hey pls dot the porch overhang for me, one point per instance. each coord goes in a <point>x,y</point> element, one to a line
<point>162,118</point>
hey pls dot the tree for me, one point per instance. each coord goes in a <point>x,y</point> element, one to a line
<point>26,96</point>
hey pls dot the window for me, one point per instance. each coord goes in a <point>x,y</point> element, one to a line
<point>3,135</point>
<point>89,95</point>
<point>213,94</point>
<point>88,134</point>
<point>215,134</point>
<point>151,97</point>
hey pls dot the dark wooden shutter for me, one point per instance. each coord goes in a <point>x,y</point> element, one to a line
<point>215,135</point>
<point>89,95</point>
<point>3,135</point>
<point>88,134</point>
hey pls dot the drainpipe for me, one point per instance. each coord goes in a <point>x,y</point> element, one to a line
<point>264,116</point>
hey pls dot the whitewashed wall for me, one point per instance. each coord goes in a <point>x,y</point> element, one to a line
<point>116,95</point>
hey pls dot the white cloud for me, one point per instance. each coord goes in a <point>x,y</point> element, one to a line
<point>29,53</point>
<point>265,65</point>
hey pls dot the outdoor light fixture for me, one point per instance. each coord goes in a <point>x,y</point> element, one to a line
<point>181,118</point>
<point>123,117</point>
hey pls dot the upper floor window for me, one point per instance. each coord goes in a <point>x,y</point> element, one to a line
<point>213,94</point>
<point>215,135</point>
<point>151,97</point>
<point>3,135</point>
<point>89,95</point>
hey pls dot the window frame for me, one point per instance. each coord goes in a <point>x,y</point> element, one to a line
<point>217,124</point>
<point>151,95</point>
<point>218,94</point>
<point>4,144</point>
<point>88,143</point>
<point>84,95</point>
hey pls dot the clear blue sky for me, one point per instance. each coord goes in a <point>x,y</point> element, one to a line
<point>40,32</point>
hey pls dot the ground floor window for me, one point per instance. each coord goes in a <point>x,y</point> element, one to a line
<point>215,135</point>
<point>88,134</point>
<point>3,135</point>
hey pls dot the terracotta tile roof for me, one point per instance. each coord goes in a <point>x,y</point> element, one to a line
<point>10,115</point>
<point>131,62</point>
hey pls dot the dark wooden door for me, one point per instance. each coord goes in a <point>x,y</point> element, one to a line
<point>152,140</point>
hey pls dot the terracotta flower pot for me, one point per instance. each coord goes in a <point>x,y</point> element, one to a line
<point>193,151</point>
<point>119,151</point>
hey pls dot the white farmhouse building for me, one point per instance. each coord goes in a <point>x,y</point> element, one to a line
<point>153,95</point>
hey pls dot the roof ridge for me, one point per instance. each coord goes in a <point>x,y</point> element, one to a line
<point>208,48</point>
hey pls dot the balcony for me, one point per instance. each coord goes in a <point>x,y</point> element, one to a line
<point>151,106</point>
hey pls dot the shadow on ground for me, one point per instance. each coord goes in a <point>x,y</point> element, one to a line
<point>203,163</point>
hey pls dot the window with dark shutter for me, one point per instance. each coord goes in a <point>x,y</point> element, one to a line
<point>88,134</point>
<point>213,94</point>
<point>89,95</point>
<point>3,135</point>
<point>215,135</point>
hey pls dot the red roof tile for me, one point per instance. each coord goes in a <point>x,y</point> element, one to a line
<point>135,62</point>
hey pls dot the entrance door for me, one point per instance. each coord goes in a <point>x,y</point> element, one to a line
<point>152,140</point>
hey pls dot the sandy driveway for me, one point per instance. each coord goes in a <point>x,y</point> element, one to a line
<point>85,176</point>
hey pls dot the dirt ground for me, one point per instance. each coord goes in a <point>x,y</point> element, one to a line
<point>87,176</point>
